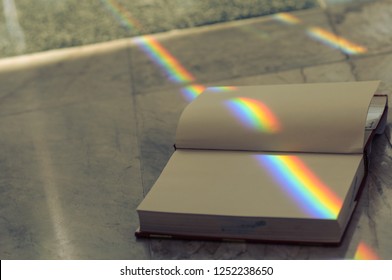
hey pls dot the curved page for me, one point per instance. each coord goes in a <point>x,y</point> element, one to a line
<point>324,118</point>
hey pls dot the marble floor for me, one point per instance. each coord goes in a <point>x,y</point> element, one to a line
<point>85,131</point>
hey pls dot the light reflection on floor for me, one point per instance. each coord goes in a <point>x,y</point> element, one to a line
<point>178,74</point>
<point>323,35</point>
<point>365,252</point>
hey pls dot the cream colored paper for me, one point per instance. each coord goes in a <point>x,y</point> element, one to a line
<point>322,118</point>
<point>232,183</point>
<point>215,184</point>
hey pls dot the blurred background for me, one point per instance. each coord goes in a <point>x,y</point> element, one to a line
<point>32,26</point>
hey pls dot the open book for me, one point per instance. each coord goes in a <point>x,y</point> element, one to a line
<point>273,163</point>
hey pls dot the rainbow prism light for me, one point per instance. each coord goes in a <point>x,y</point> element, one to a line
<point>169,64</point>
<point>222,88</point>
<point>122,15</point>
<point>287,18</point>
<point>192,91</point>
<point>364,252</point>
<point>175,71</point>
<point>254,114</point>
<point>323,35</point>
<point>302,185</point>
<point>150,46</point>
<point>335,41</point>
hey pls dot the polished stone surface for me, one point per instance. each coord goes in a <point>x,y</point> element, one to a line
<point>85,132</point>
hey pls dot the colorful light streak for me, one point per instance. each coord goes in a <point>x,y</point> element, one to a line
<point>122,15</point>
<point>335,41</point>
<point>301,184</point>
<point>324,36</point>
<point>254,114</point>
<point>192,91</point>
<point>364,252</point>
<point>157,53</point>
<point>287,18</point>
<point>222,88</point>
<point>176,72</point>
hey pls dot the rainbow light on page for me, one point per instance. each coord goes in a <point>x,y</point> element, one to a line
<point>192,91</point>
<point>301,184</point>
<point>364,252</point>
<point>222,88</point>
<point>253,114</point>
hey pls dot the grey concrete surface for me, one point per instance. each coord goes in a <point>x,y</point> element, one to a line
<point>371,30</point>
<point>238,51</point>
<point>85,131</point>
<point>71,157</point>
<point>33,26</point>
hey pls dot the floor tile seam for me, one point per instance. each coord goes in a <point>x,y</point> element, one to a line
<point>155,90</point>
<point>329,14</point>
<point>134,106</point>
<point>333,27</point>
<point>138,133</point>
<point>353,59</point>
<point>347,59</point>
<point>131,91</point>
<point>370,55</point>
